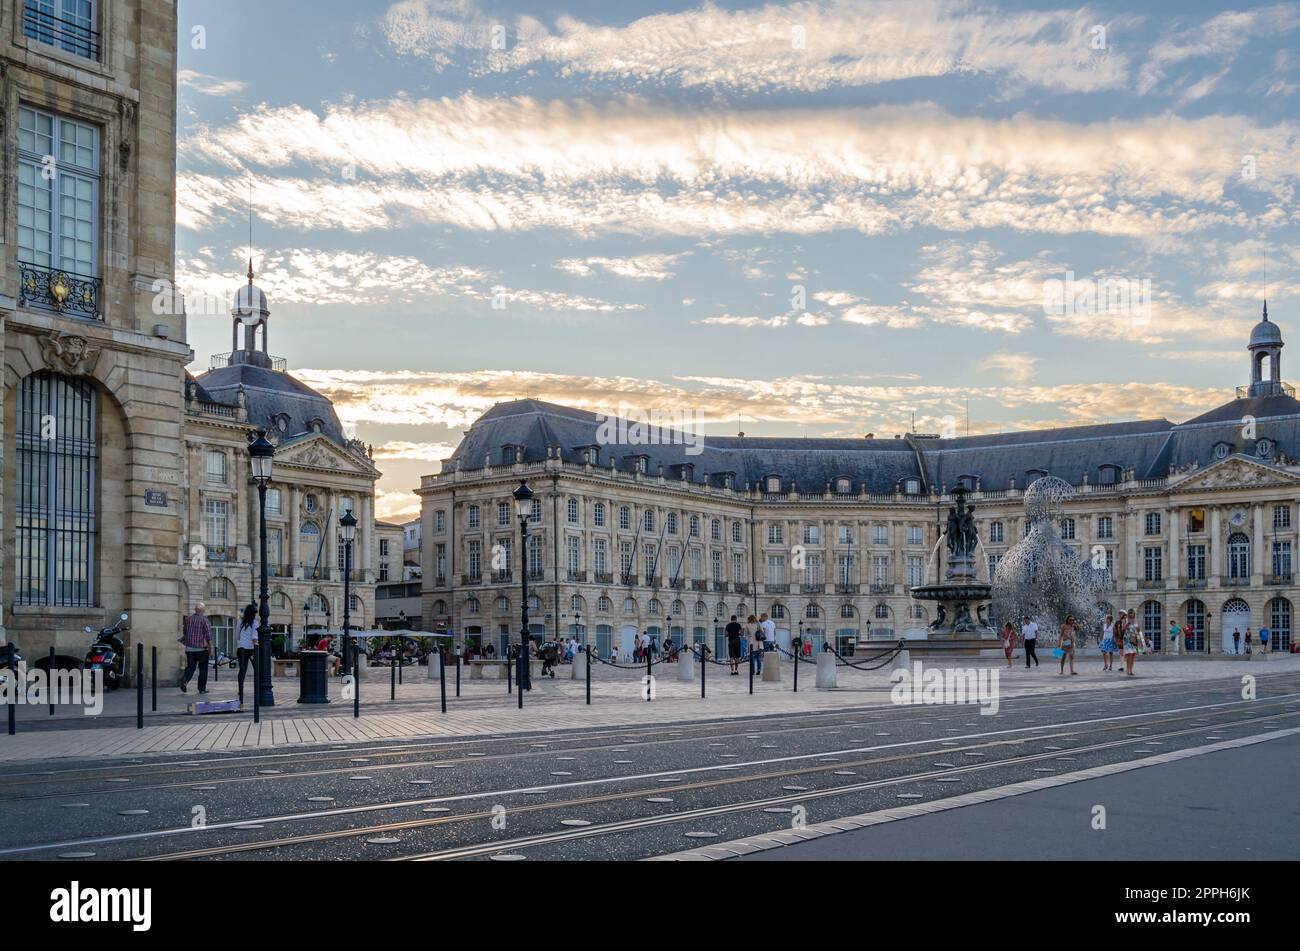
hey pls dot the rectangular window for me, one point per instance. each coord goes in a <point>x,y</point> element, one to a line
<point>697,565</point>
<point>994,561</point>
<point>273,502</point>
<point>1152,564</point>
<point>573,552</point>
<point>383,573</point>
<point>776,569</point>
<point>440,521</point>
<point>274,547</point>
<point>1105,527</point>
<point>55,519</point>
<point>536,566</point>
<point>674,563</point>
<point>846,535</point>
<point>1196,520</point>
<point>812,535</point>
<point>735,533</point>
<point>995,531</point>
<point>475,561</point>
<point>624,558</point>
<point>1282,560</point>
<point>503,514</point>
<point>215,520</point>
<point>914,534</point>
<point>66,24</point>
<point>738,568</point>
<point>814,572</point>
<point>1281,516</point>
<point>217,467</point>
<point>473,518</point>
<point>915,567</point>
<point>716,565</point>
<point>880,569</point>
<point>440,564</point>
<point>649,560</point>
<point>1195,562</point>
<point>1152,523</point>
<point>881,534</point>
<point>58,210</point>
<point>844,570</point>
<point>775,533</point>
<point>600,555</point>
<point>383,548</point>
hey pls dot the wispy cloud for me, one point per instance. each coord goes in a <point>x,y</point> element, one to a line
<point>207,85</point>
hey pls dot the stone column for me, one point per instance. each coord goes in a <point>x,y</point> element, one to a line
<point>1257,544</point>
<point>293,544</point>
<point>1213,545</point>
<point>1174,572</point>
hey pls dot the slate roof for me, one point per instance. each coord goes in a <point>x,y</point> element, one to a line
<point>268,393</point>
<point>1148,447</point>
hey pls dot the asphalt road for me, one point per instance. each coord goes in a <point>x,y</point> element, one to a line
<point>621,793</point>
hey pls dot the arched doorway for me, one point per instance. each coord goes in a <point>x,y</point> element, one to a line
<point>1235,616</point>
<point>1194,626</point>
<point>1153,619</point>
<point>1279,625</point>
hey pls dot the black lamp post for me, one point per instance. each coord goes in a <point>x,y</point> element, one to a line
<point>577,628</point>
<point>261,453</point>
<point>524,508</point>
<point>348,533</point>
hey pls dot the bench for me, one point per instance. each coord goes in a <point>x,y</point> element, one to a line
<point>284,667</point>
<point>476,668</point>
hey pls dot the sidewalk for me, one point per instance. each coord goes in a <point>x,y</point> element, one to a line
<point>486,709</point>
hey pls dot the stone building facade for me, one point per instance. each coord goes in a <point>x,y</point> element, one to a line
<point>1195,521</point>
<point>91,447</point>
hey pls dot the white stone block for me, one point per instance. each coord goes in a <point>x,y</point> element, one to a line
<point>826,671</point>
<point>771,667</point>
<point>685,669</point>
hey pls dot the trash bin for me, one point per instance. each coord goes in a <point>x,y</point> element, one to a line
<point>313,677</point>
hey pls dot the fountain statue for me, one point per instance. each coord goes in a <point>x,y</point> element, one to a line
<point>1042,577</point>
<point>962,597</point>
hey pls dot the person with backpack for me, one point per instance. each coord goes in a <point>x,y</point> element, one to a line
<point>754,637</point>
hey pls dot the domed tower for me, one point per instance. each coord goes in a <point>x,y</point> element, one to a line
<point>1265,343</point>
<point>249,309</point>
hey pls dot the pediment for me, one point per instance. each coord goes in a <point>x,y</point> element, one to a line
<point>320,452</point>
<point>1234,472</point>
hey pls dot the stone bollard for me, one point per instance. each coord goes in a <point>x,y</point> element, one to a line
<point>579,666</point>
<point>902,660</point>
<point>435,666</point>
<point>772,667</point>
<point>826,671</point>
<point>686,667</point>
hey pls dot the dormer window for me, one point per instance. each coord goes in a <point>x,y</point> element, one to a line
<point>592,456</point>
<point>912,486</point>
<point>968,482</point>
<point>773,483</point>
<point>843,486</point>
<point>1108,474</point>
<point>1222,450</point>
<point>509,455</point>
<point>1032,474</point>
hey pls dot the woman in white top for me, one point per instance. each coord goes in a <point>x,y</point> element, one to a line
<point>247,645</point>
<point>1133,641</point>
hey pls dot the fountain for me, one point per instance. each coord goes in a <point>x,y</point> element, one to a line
<point>1042,577</point>
<point>961,596</point>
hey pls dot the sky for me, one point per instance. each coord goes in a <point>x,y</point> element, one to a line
<point>808,218</point>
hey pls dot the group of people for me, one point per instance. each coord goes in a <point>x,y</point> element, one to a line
<point>1122,636</point>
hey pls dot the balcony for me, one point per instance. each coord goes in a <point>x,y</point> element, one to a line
<point>576,577</point>
<point>1278,579</point>
<point>74,294</point>
<point>279,571</point>
<point>699,586</point>
<point>440,581</point>
<point>604,577</point>
<point>312,573</point>
<point>502,577</point>
<point>67,35</point>
<point>742,587</point>
<point>220,360</point>
<point>881,587</point>
<point>471,579</point>
<point>776,589</point>
<point>536,574</point>
<point>1241,582</point>
<point>677,583</point>
<point>847,588</point>
<point>717,586</point>
<point>1194,583</point>
<point>626,579</point>
<point>1151,584</point>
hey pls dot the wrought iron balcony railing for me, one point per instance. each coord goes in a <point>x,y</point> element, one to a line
<point>313,573</point>
<point>59,290</point>
<point>56,31</point>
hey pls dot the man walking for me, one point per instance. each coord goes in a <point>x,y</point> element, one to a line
<point>1029,634</point>
<point>1236,641</point>
<point>197,640</point>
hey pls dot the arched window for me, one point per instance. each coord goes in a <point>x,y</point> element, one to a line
<point>598,515</point>
<point>916,612</point>
<point>847,611</point>
<point>571,510</point>
<point>629,606</point>
<point>1238,556</point>
<point>694,527</point>
<point>778,610</point>
<point>471,606</point>
<point>220,589</point>
<point>1153,623</point>
<point>439,608</point>
<point>279,601</point>
<point>812,611</point>
<point>54,514</point>
<point>317,604</point>
<point>534,603</point>
<point>701,609</point>
<point>678,608</point>
<point>1195,613</point>
<point>655,607</point>
<point>672,523</point>
<point>1279,625</point>
<point>503,605</point>
<point>882,612</point>
<point>575,602</point>
<point>603,604</point>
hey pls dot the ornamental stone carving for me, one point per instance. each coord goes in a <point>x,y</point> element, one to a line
<point>68,353</point>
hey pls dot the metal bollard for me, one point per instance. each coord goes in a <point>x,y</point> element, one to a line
<point>13,693</point>
<point>392,676</point>
<point>522,656</point>
<point>751,670</point>
<point>153,677</point>
<point>649,672</point>
<point>442,679</point>
<point>796,667</point>
<point>356,680</point>
<point>510,663</point>
<point>50,680</point>
<point>589,661</point>
<point>216,666</point>
<point>257,680</point>
<point>457,676</point>
<point>704,666</point>
<point>139,686</point>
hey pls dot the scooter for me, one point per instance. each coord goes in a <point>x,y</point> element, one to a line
<point>108,654</point>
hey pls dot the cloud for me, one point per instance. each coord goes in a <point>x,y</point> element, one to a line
<point>630,166</point>
<point>1019,367</point>
<point>207,85</point>
<point>642,267</point>
<point>781,320</point>
<point>423,451</point>
<point>1219,40</point>
<point>802,46</point>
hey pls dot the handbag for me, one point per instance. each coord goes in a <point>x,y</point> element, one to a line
<point>1058,653</point>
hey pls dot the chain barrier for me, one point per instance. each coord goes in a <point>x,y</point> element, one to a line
<point>885,658</point>
<point>637,666</point>
<point>802,660</point>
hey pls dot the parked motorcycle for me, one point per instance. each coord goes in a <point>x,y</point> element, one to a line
<point>108,654</point>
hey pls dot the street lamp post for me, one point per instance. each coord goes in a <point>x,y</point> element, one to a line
<point>524,508</point>
<point>261,452</point>
<point>348,533</point>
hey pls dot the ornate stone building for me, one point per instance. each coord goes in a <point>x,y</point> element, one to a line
<point>318,475</point>
<point>91,446</point>
<point>1194,520</point>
